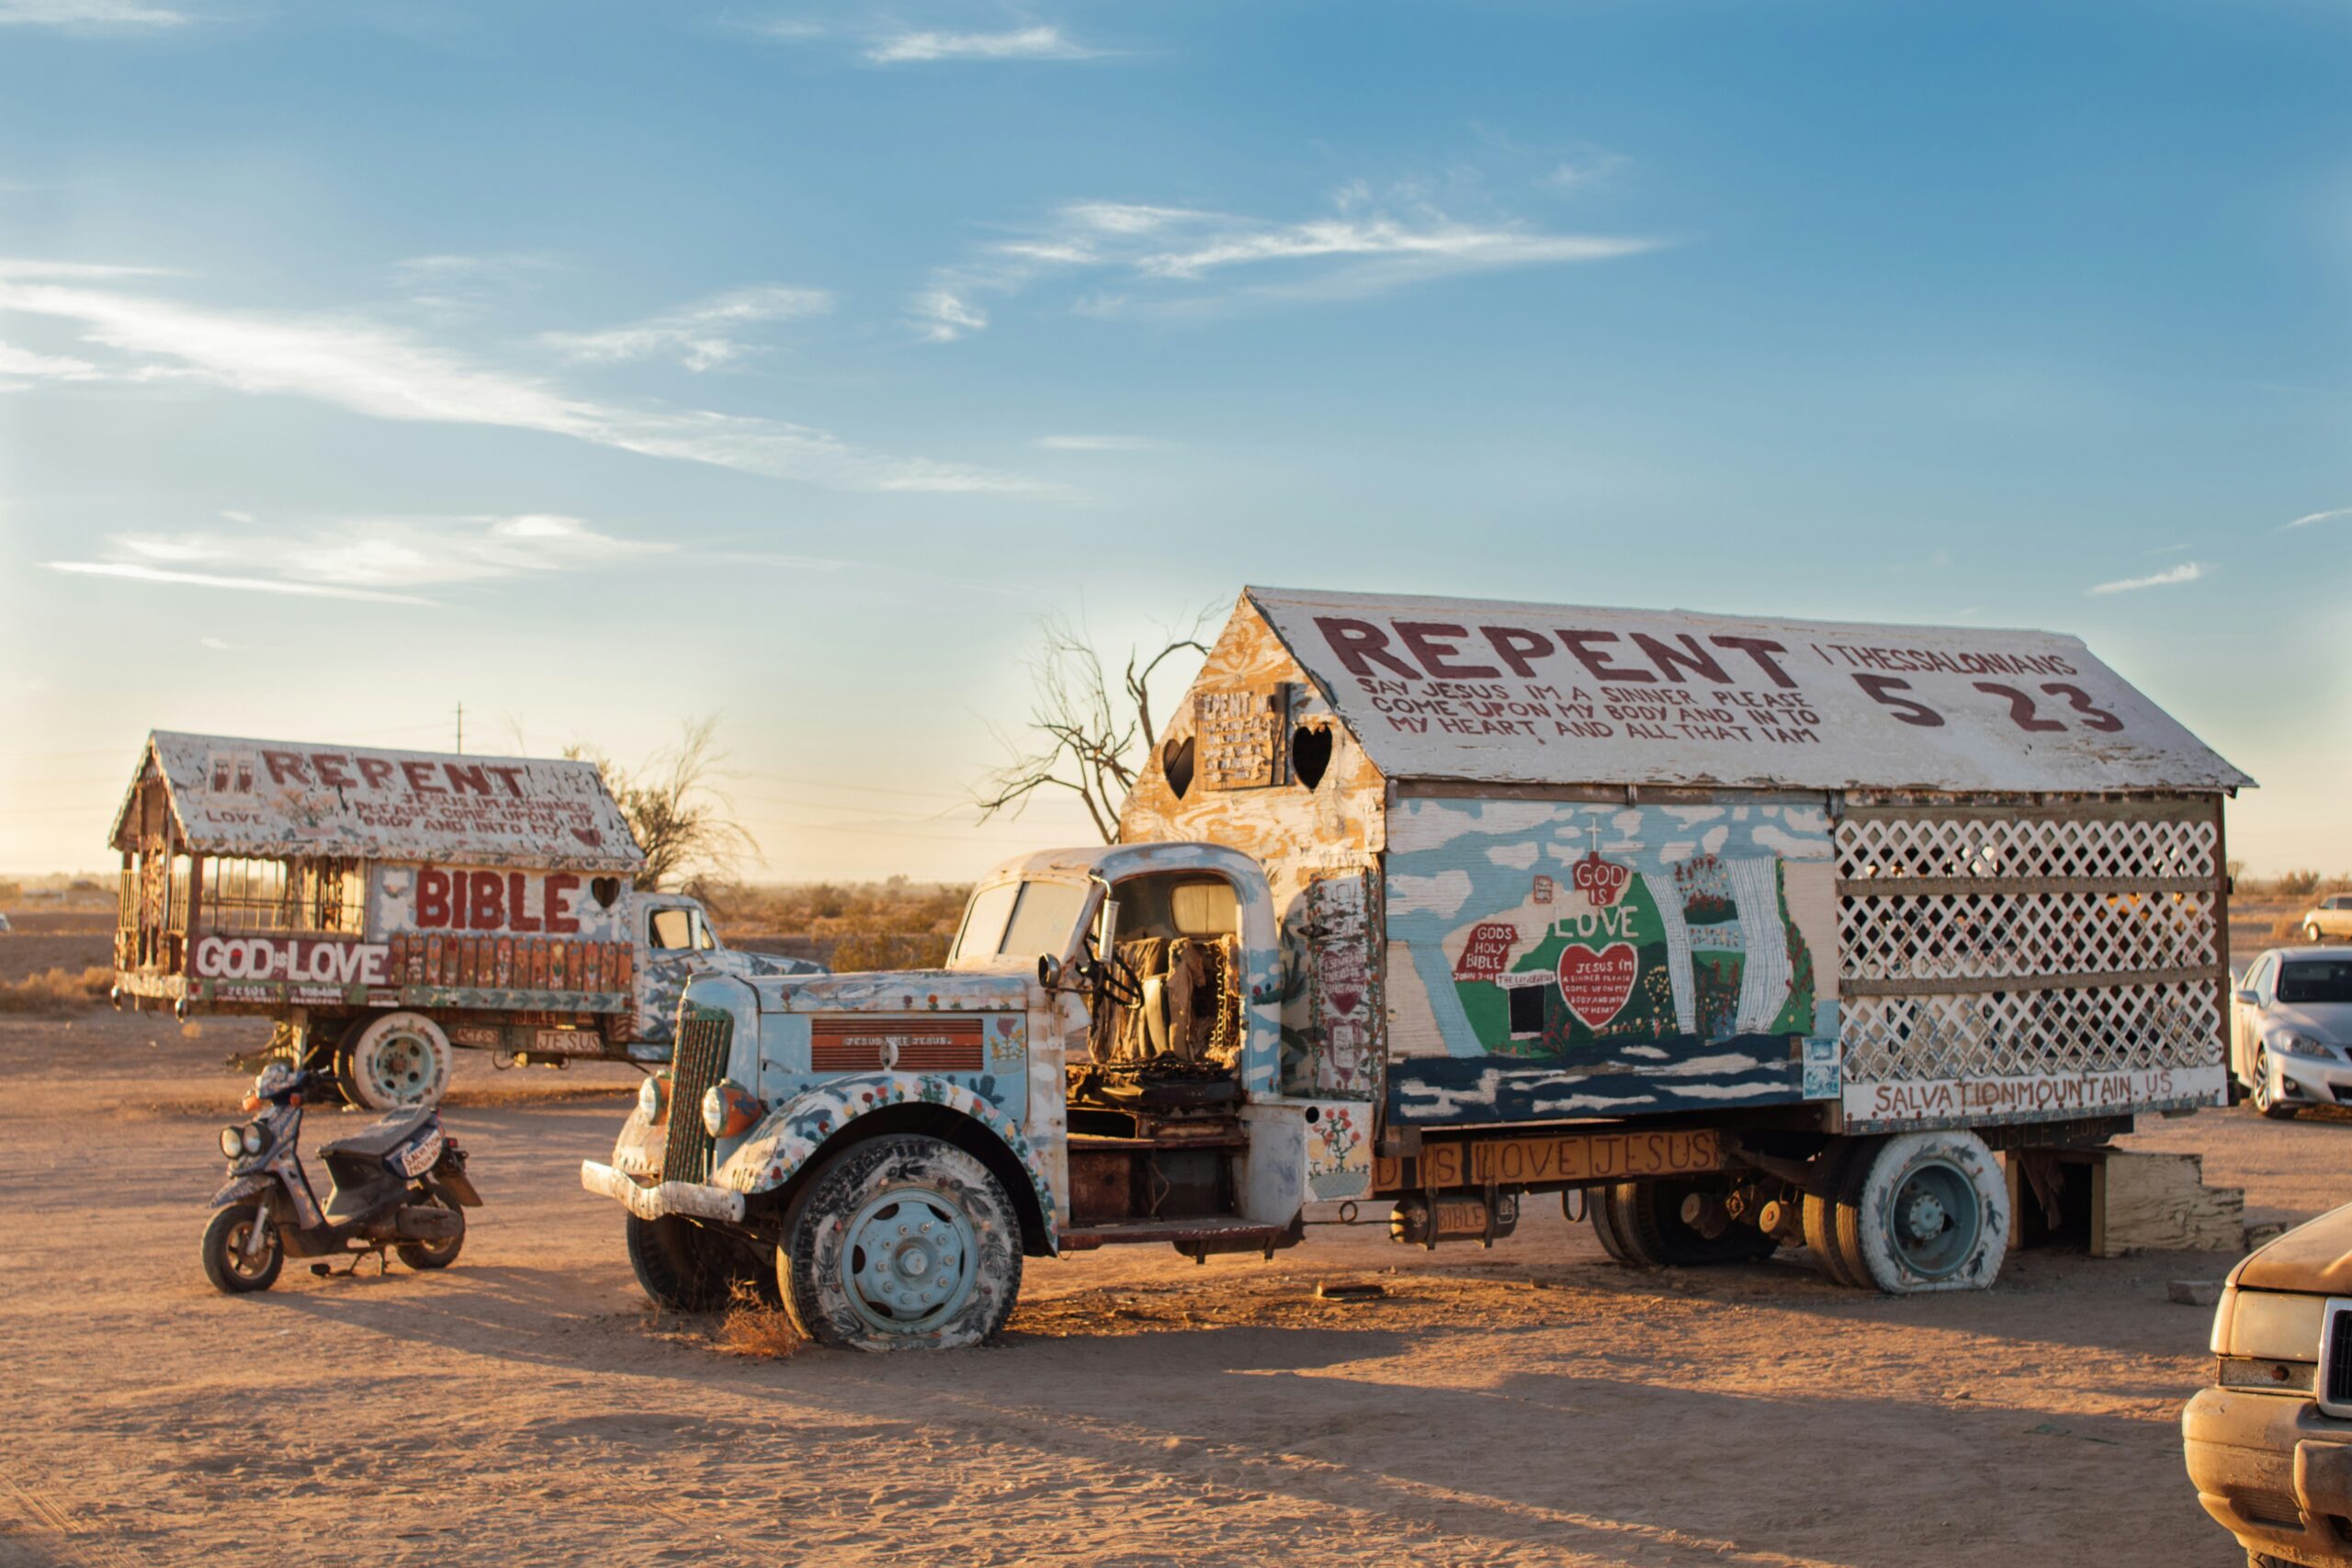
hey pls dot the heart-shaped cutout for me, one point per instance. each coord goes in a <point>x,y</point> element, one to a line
<point>1176,763</point>
<point>1597,983</point>
<point>1310,753</point>
<point>606,890</point>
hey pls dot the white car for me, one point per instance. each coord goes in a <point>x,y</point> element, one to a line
<point>2290,1030</point>
<point>2332,916</point>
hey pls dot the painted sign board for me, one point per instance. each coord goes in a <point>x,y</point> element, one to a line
<point>1567,1159</point>
<point>1877,1107</point>
<point>1495,692</point>
<point>289,959</point>
<point>235,796</point>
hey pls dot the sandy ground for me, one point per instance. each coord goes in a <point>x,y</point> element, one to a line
<point>1531,1404</point>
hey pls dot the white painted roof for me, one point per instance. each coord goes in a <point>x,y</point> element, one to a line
<point>1495,692</point>
<point>236,796</point>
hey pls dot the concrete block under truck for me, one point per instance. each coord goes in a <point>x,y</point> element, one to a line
<point>386,906</point>
<point>1740,934</point>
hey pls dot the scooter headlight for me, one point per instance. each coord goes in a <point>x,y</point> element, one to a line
<point>233,1141</point>
<point>252,1138</point>
<point>651,1096</point>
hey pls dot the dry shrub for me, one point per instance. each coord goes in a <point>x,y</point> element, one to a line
<point>2288,927</point>
<point>753,1326</point>
<point>57,990</point>
<point>896,924</point>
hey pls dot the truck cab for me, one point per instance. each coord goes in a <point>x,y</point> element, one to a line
<point>1096,1064</point>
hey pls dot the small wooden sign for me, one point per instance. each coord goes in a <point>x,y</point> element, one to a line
<point>1238,737</point>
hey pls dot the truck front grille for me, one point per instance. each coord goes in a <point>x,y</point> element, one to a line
<point>698,1062</point>
<point>2335,1359</point>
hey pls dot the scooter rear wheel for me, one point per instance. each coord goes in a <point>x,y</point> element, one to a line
<point>225,1263</point>
<point>435,1254</point>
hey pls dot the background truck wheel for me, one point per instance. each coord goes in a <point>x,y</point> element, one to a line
<point>1821,1213</point>
<point>681,1266</point>
<point>435,1254</point>
<point>225,1263</point>
<point>1648,1217</point>
<point>392,1060</point>
<point>901,1243</point>
<point>1930,1211</point>
<point>1596,1209</point>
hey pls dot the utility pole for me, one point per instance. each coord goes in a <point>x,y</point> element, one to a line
<point>461,730</point>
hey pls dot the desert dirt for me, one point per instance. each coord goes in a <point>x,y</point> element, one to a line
<point>1533,1403</point>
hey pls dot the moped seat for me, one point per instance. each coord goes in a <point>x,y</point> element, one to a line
<point>382,1138</point>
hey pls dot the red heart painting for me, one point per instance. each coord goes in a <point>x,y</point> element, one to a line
<point>1598,985</point>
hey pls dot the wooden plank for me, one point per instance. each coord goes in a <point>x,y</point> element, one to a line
<point>1979,984</point>
<point>1564,1159</point>
<point>2161,806</point>
<point>1945,886</point>
<point>2159,1203</point>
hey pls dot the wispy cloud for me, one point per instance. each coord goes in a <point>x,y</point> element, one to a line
<point>90,15</point>
<point>2328,516</point>
<point>365,365</point>
<point>380,559</point>
<point>1096,443</point>
<point>702,335</point>
<point>1020,43</point>
<point>24,362</point>
<point>2187,571</point>
<point>1184,260</point>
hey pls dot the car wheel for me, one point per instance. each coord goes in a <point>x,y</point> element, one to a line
<point>2313,934</point>
<point>2264,1093</point>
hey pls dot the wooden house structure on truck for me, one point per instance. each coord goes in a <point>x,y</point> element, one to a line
<point>1755,930</point>
<point>388,905</point>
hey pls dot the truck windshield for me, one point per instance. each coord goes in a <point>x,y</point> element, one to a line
<point>1021,919</point>
<point>2316,980</point>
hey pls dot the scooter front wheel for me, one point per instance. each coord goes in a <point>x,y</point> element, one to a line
<point>226,1263</point>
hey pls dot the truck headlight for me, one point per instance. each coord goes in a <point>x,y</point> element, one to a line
<point>651,1096</point>
<point>728,1108</point>
<point>2268,1326</point>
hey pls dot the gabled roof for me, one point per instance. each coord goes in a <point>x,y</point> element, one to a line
<point>234,796</point>
<point>1494,692</point>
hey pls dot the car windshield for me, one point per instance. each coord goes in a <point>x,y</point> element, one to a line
<point>1021,919</point>
<point>2316,980</point>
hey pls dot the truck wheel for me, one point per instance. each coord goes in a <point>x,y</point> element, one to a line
<point>901,1243</point>
<point>392,1060</point>
<point>225,1263</point>
<point>1821,1213</point>
<point>1930,1211</point>
<point>1596,1209</point>
<point>681,1266</point>
<point>1649,1214</point>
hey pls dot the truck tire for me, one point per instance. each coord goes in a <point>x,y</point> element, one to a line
<point>393,1061</point>
<point>1930,1211</point>
<point>1821,1213</point>
<point>681,1266</point>
<point>901,1243</point>
<point>1596,1209</point>
<point>1650,1216</point>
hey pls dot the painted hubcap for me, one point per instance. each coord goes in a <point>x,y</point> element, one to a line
<point>1937,1216</point>
<point>245,1264</point>
<point>911,1260</point>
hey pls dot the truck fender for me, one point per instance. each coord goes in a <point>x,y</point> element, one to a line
<point>793,1133</point>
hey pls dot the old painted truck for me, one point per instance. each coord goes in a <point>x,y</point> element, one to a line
<point>388,905</point>
<point>1739,934</point>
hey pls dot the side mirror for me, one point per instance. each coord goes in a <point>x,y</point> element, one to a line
<point>2248,998</point>
<point>1049,973</point>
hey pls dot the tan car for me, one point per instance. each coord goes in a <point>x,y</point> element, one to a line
<point>2330,920</point>
<point>2270,1446</point>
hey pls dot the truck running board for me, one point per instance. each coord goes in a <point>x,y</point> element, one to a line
<point>1196,1237</point>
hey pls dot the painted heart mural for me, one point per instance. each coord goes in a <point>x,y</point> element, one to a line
<point>1597,983</point>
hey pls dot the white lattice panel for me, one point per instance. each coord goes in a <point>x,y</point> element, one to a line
<point>2029,1034</point>
<point>1996,930</point>
<point>1987,935</point>
<point>2124,851</point>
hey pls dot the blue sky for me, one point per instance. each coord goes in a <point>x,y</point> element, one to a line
<point>598,365</point>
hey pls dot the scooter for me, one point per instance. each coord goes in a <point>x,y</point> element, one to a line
<point>401,1184</point>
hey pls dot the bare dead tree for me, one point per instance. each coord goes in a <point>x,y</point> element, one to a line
<point>675,805</point>
<point>1086,734</point>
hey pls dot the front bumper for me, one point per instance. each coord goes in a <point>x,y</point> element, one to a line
<point>663,1198</point>
<point>2276,1472</point>
<point>2312,1080</point>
